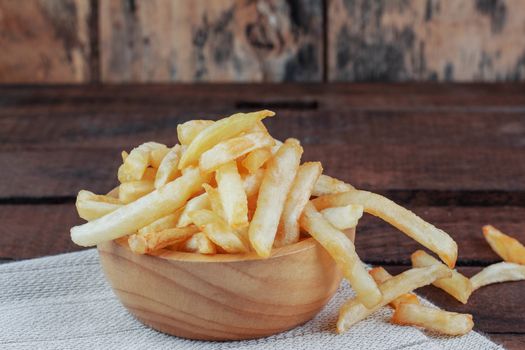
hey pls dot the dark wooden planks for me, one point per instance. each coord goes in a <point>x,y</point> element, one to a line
<point>45,41</point>
<point>425,40</point>
<point>510,341</point>
<point>495,308</point>
<point>31,230</point>
<point>224,40</point>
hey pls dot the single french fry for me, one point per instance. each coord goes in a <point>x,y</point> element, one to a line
<point>404,220</point>
<point>252,182</point>
<point>380,275</point>
<point>342,249</point>
<point>165,222</point>
<point>219,131</point>
<point>218,231</point>
<point>457,285</point>
<point>256,159</point>
<point>445,322</point>
<point>138,160</point>
<point>186,132</point>
<point>498,273</point>
<point>140,213</point>
<point>354,311</point>
<point>231,149</point>
<point>199,243</point>
<point>508,248</point>
<point>157,156</point>
<point>200,202</point>
<point>232,195</point>
<point>276,183</point>
<point>92,206</point>
<point>152,241</point>
<point>298,196</point>
<point>133,190</point>
<point>343,218</point>
<point>124,155</point>
<point>329,185</point>
<point>168,169</point>
<point>215,200</point>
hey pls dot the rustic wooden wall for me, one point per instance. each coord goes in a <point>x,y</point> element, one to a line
<point>447,40</point>
<point>45,41</point>
<point>114,41</point>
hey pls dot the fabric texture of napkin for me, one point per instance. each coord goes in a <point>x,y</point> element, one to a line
<point>64,302</point>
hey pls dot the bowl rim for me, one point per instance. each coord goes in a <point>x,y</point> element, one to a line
<point>169,255</point>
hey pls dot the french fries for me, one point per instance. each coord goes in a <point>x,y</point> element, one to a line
<point>143,211</point>
<point>343,218</point>
<point>165,222</point>
<point>152,241</point>
<point>407,222</point>
<point>232,195</point>
<point>231,149</point>
<point>256,159</point>
<point>199,243</point>
<point>215,200</point>
<point>354,311</point>
<point>341,248</point>
<point>252,182</point>
<point>457,285</point>
<point>202,201</point>
<point>508,248</point>
<point>380,275</point>
<point>92,206</point>
<point>450,323</point>
<point>131,191</point>
<point>219,131</point>
<point>498,273</point>
<point>218,231</point>
<point>168,168</point>
<point>329,185</point>
<point>186,132</point>
<point>298,196</point>
<point>276,183</point>
<point>138,160</point>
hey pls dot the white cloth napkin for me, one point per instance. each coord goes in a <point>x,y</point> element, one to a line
<point>64,302</point>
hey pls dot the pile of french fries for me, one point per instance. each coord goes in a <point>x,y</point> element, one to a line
<point>229,187</point>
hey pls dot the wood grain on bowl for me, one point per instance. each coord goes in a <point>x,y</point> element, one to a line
<point>225,296</point>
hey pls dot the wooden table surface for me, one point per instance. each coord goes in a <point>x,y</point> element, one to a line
<point>454,154</point>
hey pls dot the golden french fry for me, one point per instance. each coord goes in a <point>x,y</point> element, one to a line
<point>215,200</point>
<point>131,191</point>
<point>92,206</point>
<point>138,161</point>
<point>165,222</point>
<point>445,322</point>
<point>199,243</point>
<point>354,311</point>
<point>200,202</point>
<point>124,155</point>
<point>218,231</point>
<point>508,248</point>
<point>168,169</point>
<point>343,218</point>
<point>341,248</point>
<point>298,196</point>
<point>220,131</point>
<point>157,155</point>
<point>186,132</point>
<point>380,275</point>
<point>231,149</point>
<point>252,182</point>
<point>151,241</point>
<point>232,195</point>
<point>276,183</point>
<point>142,212</point>
<point>407,222</point>
<point>256,159</point>
<point>498,273</point>
<point>329,185</point>
<point>457,285</point>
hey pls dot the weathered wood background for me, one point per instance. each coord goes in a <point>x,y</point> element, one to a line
<point>81,41</point>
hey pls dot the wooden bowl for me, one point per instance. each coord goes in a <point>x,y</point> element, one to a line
<point>224,296</point>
